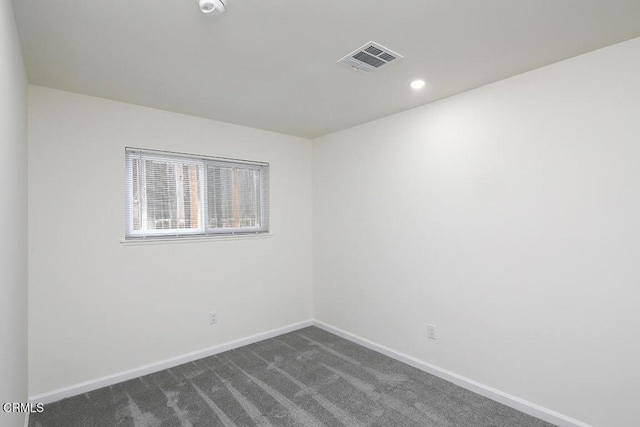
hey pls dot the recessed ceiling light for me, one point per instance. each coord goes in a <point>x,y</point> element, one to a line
<point>214,7</point>
<point>417,84</point>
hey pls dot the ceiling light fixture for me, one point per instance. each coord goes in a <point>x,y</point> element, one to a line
<point>214,7</point>
<point>417,84</point>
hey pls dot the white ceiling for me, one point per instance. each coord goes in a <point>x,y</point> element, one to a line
<point>271,64</point>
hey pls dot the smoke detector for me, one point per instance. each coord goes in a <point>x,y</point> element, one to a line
<point>213,7</point>
<point>370,57</point>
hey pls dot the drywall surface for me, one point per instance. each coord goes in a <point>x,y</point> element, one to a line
<point>13,217</point>
<point>506,216</point>
<point>98,307</point>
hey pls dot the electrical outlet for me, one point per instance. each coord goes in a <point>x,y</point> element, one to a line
<point>431,330</point>
<point>213,318</point>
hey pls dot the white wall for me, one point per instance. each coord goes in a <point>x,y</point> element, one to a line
<point>98,307</point>
<point>507,216</point>
<point>13,217</point>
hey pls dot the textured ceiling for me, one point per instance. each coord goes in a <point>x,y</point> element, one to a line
<point>271,64</point>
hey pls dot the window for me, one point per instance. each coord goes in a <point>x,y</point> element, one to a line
<point>175,195</point>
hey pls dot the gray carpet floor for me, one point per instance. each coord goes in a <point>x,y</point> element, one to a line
<point>305,378</point>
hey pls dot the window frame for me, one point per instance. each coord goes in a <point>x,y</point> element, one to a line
<point>203,230</point>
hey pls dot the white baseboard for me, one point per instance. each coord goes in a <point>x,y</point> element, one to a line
<point>467,383</point>
<point>88,386</point>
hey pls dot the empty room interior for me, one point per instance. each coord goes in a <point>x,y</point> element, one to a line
<point>288,213</point>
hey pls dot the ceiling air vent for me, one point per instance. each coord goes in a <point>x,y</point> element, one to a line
<point>370,57</point>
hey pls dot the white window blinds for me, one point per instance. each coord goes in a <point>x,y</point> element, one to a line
<point>185,195</point>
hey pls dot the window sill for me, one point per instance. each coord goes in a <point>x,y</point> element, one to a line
<point>171,240</point>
